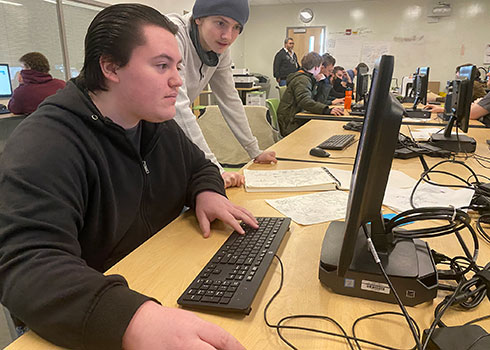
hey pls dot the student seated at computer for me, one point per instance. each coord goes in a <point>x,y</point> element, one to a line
<point>98,169</point>
<point>300,94</point>
<point>352,73</point>
<point>478,86</point>
<point>339,85</point>
<point>324,88</point>
<point>35,84</point>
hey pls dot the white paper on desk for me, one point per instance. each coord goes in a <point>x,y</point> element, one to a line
<point>426,195</point>
<point>400,180</point>
<point>396,179</point>
<point>423,134</point>
<point>313,208</point>
<point>343,176</point>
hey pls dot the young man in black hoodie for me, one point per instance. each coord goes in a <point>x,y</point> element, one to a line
<point>99,168</point>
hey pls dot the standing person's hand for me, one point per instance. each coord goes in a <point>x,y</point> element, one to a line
<point>211,206</point>
<point>154,327</point>
<point>268,157</point>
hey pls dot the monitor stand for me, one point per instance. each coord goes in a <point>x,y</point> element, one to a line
<point>409,265</point>
<point>417,113</point>
<point>461,143</point>
<point>453,143</point>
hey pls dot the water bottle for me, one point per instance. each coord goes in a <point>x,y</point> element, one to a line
<point>348,99</point>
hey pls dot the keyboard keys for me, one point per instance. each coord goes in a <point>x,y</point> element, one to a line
<point>232,277</point>
<point>337,142</point>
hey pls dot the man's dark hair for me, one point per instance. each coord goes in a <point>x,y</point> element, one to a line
<point>114,33</point>
<point>287,39</point>
<point>337,68</point>
<point>328,60</point>
<point>35,61</point>
<point>311,60</point>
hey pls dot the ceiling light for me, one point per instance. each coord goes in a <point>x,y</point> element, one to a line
<point>10,3</point>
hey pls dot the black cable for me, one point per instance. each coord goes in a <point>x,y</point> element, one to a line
<point>385,275</point>
<point>379,314</point>
<point>279,326</point>
<point>314,161</point>
<point>480,228</point>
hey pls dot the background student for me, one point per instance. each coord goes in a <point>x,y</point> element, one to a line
<point>480,109</point>
<point>204,38</point>
<point>285,62</point>
<point>324,88</point>
<point>300,94</point>
<point>99,168</point>
<point>35,84</point>
<point>338,83</point>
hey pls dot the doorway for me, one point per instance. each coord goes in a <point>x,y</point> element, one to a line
<point>307,39</point>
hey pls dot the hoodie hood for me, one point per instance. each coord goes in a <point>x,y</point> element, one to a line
<point>30,76</point>
<point>75,100</point>
<point>301,71</point>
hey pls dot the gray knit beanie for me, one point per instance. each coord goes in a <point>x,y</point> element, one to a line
<point>235,9</point>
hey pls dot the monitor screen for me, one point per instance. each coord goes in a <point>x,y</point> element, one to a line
<point>362,84</point>
<point>420,85</point>
<point>346,266</point>
<point>5,82</point>
<point>457,108</point>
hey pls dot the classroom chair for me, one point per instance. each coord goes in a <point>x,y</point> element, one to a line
<point>272,104</point>
<point>223,143</point>
<point>281,90</point>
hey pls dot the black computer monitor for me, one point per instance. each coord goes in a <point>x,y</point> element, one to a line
<point>346,266</point>
<point>419,91</point>
<point>420,86</point>
<point>362,84</point>
<point>5,82</point>
<point>457,110</point>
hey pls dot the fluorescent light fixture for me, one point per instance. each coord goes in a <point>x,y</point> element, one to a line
<point>413,12</point>
<point>10,3</point>
<point>76,4</point>
<point>306,15</point>
<point>357,14</point>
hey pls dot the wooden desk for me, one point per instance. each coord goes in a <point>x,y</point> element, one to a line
<point>165,265</point>
<point>433,121</point>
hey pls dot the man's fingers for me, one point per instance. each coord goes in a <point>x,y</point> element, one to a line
<point>204,223</point>
<point>219,338</point>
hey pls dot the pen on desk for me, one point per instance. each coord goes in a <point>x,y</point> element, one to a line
<point>310,161</point>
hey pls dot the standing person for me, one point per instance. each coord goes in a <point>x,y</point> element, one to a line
<point>204,37</point>
<point>285,62</point>
<point>99,168</point>
<point>300,94</point>
<point>35,84</point>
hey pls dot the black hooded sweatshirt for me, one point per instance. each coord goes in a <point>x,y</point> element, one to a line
<point>76,197</point>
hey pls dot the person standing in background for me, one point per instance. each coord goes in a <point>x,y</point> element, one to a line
<point>35,84</point>
<point>285,62</point>
<point>204,37</point>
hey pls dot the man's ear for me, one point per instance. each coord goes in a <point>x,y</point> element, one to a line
<point>109,69</point>
<point>198,21</point>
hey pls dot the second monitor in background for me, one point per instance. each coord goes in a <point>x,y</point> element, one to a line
<point>362,85</point>
<point>419,90</point>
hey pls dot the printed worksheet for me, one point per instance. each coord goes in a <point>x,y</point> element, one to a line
<point>426,195</point>
<point>313,208</point>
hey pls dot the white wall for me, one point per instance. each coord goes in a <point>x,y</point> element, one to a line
<point>164,6</point>
<point>458,39</point>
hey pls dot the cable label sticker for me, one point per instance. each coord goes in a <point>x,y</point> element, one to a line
<point>375,287</point>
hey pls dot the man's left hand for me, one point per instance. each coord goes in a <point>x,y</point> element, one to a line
<point>266,158</point>
<point>211,206</point>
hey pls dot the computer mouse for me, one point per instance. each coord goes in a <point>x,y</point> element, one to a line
<point>2,107</point>
<point>319,152</point>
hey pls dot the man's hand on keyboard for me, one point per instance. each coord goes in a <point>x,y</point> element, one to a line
<point>211,206</point>
<point>157,327</point>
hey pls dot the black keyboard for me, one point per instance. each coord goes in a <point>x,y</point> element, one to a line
<point>418,113</point>
<point>230,280</point>
<point>337,142</point>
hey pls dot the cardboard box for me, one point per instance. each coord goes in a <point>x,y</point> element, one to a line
<point>255,98</point>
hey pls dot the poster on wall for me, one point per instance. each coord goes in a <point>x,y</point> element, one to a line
<point>371,51</point>
<point>486,59</point>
